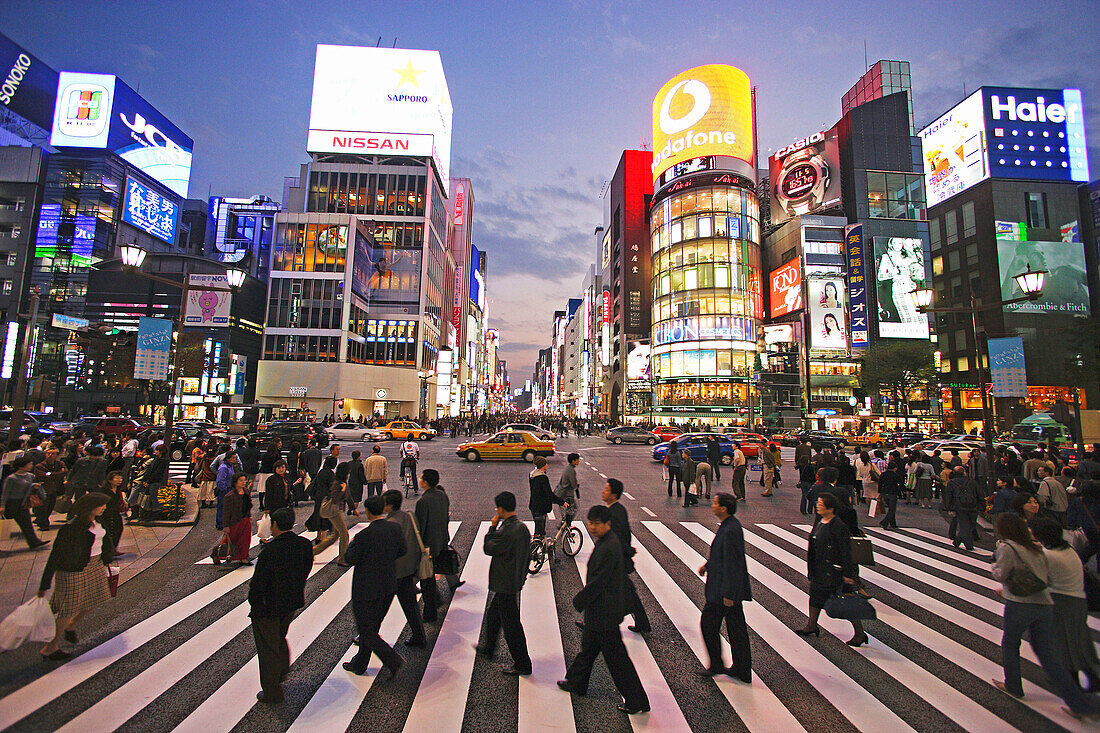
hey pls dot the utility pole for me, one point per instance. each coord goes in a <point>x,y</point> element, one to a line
<point>19,397</point>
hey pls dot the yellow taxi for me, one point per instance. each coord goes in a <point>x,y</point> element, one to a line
<point>405,430</point>
<point>507,445</point>
<point>871,440</point>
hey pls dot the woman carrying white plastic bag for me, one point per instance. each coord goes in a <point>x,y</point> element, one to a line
<point>33,621</point>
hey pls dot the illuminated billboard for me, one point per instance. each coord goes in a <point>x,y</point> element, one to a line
<point>381,101</point>
<point>805,176</point>
<point>786,288</point>
<point>1003,132</point>
<point>1065,290</point>
<point>27,86</point>
<point>899,269</point>
<point>100,111</point>
<point>703,111</point>
<point>477,279</point>
<point>638,373</point>
<point>827,305</point>
<point>150,212</point>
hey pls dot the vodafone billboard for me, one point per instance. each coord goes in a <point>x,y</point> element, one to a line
<point>381,100</point>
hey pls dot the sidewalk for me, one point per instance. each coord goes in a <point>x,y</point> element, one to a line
<point>141,545</point>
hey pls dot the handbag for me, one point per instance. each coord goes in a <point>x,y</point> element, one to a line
<point>446,562</point>
<point>1022,580</point>
<point>873,507</point>
<point>850,607</point>
<point>862,553</point>
<point>425,568</point>
<point>263,527</point>
<point>222,551</point>
<point>64,503</point>
<point>113,572</point>
<point>693,489</point>
<point>33,501</point>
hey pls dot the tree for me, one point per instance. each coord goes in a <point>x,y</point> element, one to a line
<point>898,368</point>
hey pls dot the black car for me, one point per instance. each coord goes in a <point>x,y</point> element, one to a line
<point>631,434</point>
<point>821,439</point>
<point>290,431</point>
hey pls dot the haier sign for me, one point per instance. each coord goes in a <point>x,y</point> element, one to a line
<point>1036,133</point>
<point>100,111</point>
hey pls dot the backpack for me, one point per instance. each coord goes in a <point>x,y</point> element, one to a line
<point>966,498</point>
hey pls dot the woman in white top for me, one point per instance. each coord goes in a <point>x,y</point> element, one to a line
<point>865,475</point>
<point>1017,553</point>
<point>1071,608</point>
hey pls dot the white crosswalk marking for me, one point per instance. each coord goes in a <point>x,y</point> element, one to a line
<point>860,706</point>
<point>446,682</point>
<point>982,564</point>
<point>942,540</point>
<point>1035,697</point>
<point>954,704</point>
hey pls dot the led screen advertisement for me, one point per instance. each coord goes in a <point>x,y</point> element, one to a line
<point>100,111</point>
<point>703,111</point>
<point>638,370</point>
<point>477,280</point>
<point>385,100</point>
<point>28,87</point>
<point>827,326</point>
<point>805,176</point>
<point>150,212</point>
<point>382,273</point>
<point>786,288</point>
<point>1065,289</point>
<point>899,268</point>
<point>954,150</point>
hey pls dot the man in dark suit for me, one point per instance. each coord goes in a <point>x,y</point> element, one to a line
<point>357,479</point>
<point>276,591</point>
<point>602,600</point>
<point>433,511</point>
<point>310,460</point>
<point>373,555</point>
<point>620,525</point>
<point>509,544</point>
<point>727,588</point>
<point>406,566</point>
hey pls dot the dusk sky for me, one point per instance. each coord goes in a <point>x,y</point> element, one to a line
<point>546,95</point>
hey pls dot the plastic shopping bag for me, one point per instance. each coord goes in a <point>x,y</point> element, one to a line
<point>33,621</point>
<point>263,527</point>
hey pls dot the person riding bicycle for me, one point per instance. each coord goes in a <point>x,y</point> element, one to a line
<point>410,454</point>
<point>568,491</point>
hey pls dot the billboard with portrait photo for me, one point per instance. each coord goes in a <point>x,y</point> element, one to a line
<point>785,289</point>
<point>638,373</point>
<point>828,329</point>
<point>1065,289</point>
<point>899,270</point>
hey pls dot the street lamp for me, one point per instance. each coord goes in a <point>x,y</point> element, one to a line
<point>132,255</point>
<point>235,277</point>
<point>1031,284</point>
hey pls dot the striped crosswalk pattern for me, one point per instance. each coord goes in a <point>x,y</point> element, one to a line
<point>931,661</point>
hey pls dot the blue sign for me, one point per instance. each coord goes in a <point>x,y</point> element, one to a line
<point>150,212</point>
<point>476,278</point>
<point>154,342</point>
<point>1036,133</point>
<point>1007,368</point>
<point>857,286</point>
<point>27,86</point>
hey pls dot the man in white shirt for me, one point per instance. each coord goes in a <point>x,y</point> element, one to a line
<point>410,454</point>
<point>129,452</point>
<point>740,466</point>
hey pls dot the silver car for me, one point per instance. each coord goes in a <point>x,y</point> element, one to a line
<point>628,434</point>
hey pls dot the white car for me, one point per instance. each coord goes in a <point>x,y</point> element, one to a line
<point>349,431</point>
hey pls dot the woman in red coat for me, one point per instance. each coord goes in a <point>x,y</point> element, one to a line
<point>238,517</point>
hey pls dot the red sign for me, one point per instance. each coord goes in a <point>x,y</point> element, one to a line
<point>460,203</point>
<point>605,308</point>
<point>456,306</point>
<point>786,288</point>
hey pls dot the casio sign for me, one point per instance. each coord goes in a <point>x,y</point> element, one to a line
<point>150,136</point>
<point>1037,111</point>
<point>817,137</point>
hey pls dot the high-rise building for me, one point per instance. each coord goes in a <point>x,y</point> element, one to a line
<point>882,79</point>
<point>355,306</point>
<point>705,247</point>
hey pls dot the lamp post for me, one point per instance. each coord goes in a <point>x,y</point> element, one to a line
<point>133,257</point>
<point>1031,285</point>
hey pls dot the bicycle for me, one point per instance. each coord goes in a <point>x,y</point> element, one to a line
<point>568,537</point>
<point>408,477</point>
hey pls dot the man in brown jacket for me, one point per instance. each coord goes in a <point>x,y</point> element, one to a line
<point>374,471</point>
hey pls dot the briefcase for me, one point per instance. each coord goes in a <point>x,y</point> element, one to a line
<point>851,607</point>
<point>862,554</point>
<point>446,562</point>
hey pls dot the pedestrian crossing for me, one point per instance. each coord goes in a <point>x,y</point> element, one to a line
<point>931,660</point>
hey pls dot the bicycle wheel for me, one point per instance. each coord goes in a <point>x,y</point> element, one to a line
<point>572,541</point>
<point>537,558</point>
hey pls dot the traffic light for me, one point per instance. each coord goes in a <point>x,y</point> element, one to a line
<point>340,404</point>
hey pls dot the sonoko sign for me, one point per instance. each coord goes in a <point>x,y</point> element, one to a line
<point>702,111</point>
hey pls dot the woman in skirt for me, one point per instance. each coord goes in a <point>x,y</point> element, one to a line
<point>206,477</point>
<point>116,507</point>
<point>78,560</point>
<point>237,506</point>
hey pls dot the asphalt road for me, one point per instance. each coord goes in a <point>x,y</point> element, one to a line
<point>928,667</point>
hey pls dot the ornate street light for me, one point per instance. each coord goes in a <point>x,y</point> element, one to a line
<point>235,277</point>
<point>1031,282</point>
<point>132,255</point>
<point>922,297</point>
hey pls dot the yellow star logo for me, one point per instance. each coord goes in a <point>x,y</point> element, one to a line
<point>408,74</point>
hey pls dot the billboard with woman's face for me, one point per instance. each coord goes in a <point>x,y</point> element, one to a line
<point>828,329</point>
<point>899,270</point>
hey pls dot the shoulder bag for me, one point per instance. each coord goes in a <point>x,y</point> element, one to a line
<point>850,607</point>
<point>1022,580</point>
<point>424,569</point>
<point>446,562</point>
<point>862,553</point>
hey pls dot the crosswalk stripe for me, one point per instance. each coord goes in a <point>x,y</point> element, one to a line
<point>542,706</point>
<point>757,706</point>
<point>50,686</point>
<point>665,714</point>
<point>945,611</point>
<point>985,581</point>
<point>961,556</point>
<point>909,674</point>
<point>129,699</point>
<point>941,540</point>
<point>445,686</point>
<point>1037,698</point>
<point>862,708</point>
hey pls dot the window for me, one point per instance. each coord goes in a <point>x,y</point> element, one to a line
<point>952,226</point>
<point>952,261</point>
<point>963,363</point>
<point>876,194</point>
<point>1036,210</point>
<point>895,195</point>
<point>937,266</point>
<point>969,227</point>
<point>934,233</point>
